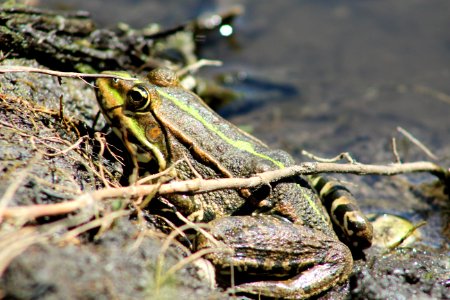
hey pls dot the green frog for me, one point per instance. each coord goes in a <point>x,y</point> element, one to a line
<point>283,239</point>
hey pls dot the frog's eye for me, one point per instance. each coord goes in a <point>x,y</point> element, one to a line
<point>138,98</point>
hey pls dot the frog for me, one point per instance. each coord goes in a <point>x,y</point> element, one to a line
<point>284,238</point>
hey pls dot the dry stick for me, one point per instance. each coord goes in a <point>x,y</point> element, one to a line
<point>73,146</point>
<point>19,69</point>
<point>101,169</point>
<point>100,222</point>
<point>341,156</point>
<point>197,65</point>
<point>416,142</point>
<point>39,210</point>
<point>395,152</point>
<point>201,186</point>
<point>15,242</point>
<point>160,174</point>
<point>159,279</point>
<point>100,137</point>
<point>56,140</point>
<point>22,239</point>
<point>432,92</point>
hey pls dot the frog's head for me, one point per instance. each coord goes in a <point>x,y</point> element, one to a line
<point>128,107</point>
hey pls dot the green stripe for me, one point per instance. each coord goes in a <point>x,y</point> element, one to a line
<point>312,203</point>
<point>241,145</point>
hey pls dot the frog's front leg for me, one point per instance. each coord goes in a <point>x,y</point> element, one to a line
<point>270,247</point>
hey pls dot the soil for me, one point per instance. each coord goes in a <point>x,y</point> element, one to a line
<point>323,76</point>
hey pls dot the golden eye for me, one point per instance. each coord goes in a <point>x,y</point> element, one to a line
<point>137,98</point>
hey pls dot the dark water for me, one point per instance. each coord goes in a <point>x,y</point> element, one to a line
<point>359,69</point>
<point>328,76</point>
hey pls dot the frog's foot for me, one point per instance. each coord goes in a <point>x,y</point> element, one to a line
<point>265,246</point>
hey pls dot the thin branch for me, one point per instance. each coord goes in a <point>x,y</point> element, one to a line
<point>201,186</point>
<point>71,147</point>
<point>39,210</point>
<point>395,152</point>
<point>167,172</point>
<point>416,142</point>
<point>20,69</point>
<point>100,222</point>
<point>341,156</point>
<point>197,65</point>
<point>101,140</point>
<point>18,242</point>
<point>432,92</point>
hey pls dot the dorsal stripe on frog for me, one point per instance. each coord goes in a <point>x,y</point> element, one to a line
<point>239,144</point>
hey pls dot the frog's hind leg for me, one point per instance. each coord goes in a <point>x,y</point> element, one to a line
<point>308,283</point>
<point>277,258</point>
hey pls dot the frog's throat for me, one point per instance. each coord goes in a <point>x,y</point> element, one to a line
<point>140,135</point>
<point>239,144</point>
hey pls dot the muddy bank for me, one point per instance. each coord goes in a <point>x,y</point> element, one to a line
<point>120,262</point>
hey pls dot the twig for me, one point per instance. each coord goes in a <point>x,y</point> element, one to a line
<point>416,142</point>
<point>18,242</point>
<point>15,242</point>
<point>193,170</point>
<point>197,65</point>
<point>163,236</point>
<point>432,92</point>
<point>394,150</point>
<point>71,147</point>
<point>341,156</point>
<point>201,185</point>
<point>39,210</point>
<point>167,172</point>
<point>100,139</point>
<point>149,197</point>
<point>106,220</point>
<point>159,278</point>
<point>61,106</point>
<point>20,69</point>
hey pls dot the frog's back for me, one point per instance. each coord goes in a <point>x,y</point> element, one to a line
<point>241,153</point>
